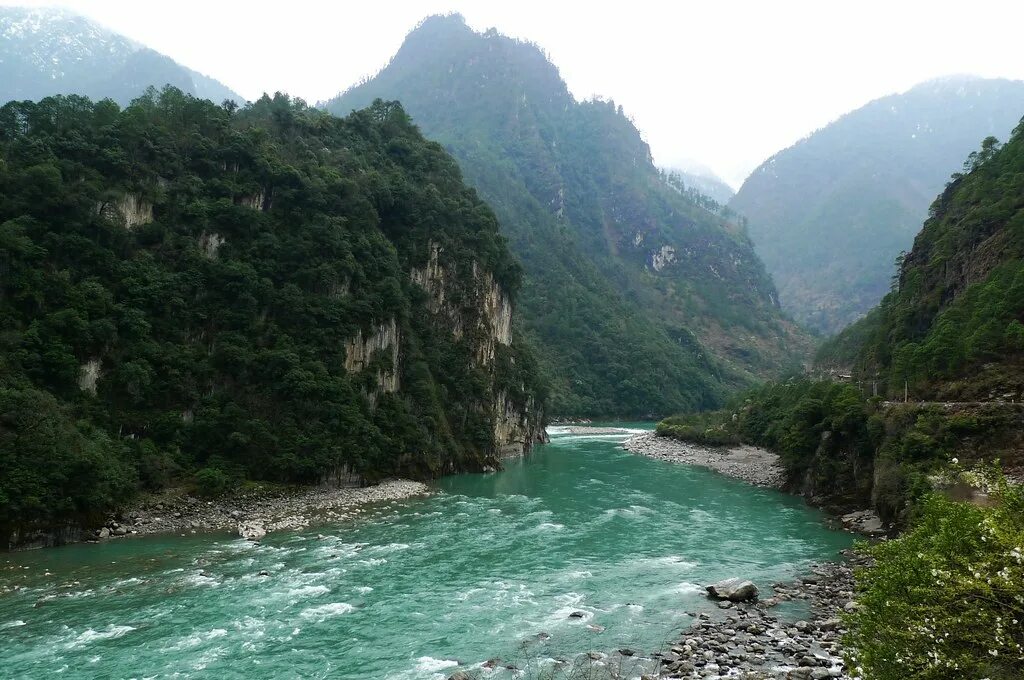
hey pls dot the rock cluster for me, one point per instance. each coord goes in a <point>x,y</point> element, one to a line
<point>749,641</point>
<point>864,522</point>
<point>753,465</point>
<point>253,514</point>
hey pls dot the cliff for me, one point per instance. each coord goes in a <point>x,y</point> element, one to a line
<point>198,295</point>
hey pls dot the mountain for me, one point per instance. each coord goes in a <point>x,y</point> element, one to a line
<point>640,300</point>
<point>951,329</point>
<point>704,181</point>
<point>196,294</point>
<point>45,52</point>
<point>830,214</point>
<point>943,353</point>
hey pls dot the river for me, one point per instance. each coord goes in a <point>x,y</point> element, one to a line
<point>490,566</point>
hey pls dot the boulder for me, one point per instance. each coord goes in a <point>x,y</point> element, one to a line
<point>460,675</point>
<point>733,589</point>
<point>252,530</point>
<point>104,533</point>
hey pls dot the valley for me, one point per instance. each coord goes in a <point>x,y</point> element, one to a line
<point>470,372</point>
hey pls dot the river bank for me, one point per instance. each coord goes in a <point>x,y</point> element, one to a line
<point>256,511</point>
<point>750,641</point>
<point>748,463</point>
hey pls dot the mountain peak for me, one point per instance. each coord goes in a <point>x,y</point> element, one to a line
<point>51,50</point>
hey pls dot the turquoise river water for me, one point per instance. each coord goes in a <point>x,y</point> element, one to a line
<point>416,588</point>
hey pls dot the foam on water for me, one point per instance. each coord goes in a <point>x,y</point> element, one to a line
<point>475,571</point>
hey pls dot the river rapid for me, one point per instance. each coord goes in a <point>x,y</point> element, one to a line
<point>490,566</point>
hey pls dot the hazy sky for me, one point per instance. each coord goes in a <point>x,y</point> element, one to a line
<point>726,83</point>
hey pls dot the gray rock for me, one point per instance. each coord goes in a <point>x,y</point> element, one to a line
<point>733,589</point>
<point>104,533</point>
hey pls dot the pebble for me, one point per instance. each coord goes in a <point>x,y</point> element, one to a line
<point>750,464</point>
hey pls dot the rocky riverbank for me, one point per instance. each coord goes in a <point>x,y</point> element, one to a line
<point>252,513</point>
<point>751,464</point>
<point>749,640</point>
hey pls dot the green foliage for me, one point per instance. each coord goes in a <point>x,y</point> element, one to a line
<point>952,329</point>
<point>205,269</point>
<point>945,599</point>
<point>212,482</point>
<point>586,211</point>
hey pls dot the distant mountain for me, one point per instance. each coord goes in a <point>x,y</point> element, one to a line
<point>640,299</point>
<point>53,51</point>
<point>951,329</point>
<point>706,182</point>
<point>830,214</point>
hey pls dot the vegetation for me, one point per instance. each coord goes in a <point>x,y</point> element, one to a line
<point>182,283</point>
<point>951,329</point>
<point>641,297</point>
<point>830,214</point>
<point>944,600</point>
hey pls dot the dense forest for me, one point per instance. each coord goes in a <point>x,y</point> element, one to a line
<point>950,331</point>
<point>196,292</point>
<point>643,298</point>
<point>831,213</point>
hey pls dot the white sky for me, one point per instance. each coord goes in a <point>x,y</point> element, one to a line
<point>723,82</point>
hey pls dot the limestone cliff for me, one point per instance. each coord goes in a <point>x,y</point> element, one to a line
<point>474,308</point>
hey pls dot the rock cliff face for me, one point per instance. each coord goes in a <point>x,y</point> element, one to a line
<point>483,317</point>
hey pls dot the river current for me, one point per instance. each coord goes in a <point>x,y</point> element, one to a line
<point>490,566</point>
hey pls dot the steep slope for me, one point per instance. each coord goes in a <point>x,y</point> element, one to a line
<point>45,52</point>
<point>641,300</point>
<point>830,214</point>
<point>952,329</point>
<point>272,294</point>
<point>704,181</point>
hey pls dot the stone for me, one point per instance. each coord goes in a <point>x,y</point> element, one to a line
<point>576,615</point>
<point>460,675</point>
<point>264,572</point>
<point>252,531</point>
<point>104,533</point>
<point>733,589</point>
<point>627,652</point>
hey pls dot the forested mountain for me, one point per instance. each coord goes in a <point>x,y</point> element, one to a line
<point>949,336</point>
<point>952,327</point>
<point>191,291</point>
<point>830,214</point>
<point>641,300</point>
<point>45,52</point>
<point>705,182</point>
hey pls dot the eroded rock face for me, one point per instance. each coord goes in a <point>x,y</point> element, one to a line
<point>89,375</point>
<point>663,257</point>
<point>135,211</point>
<point>484,312</point>
<point>210,244</point>
<point>131,209</point>
<point>360,351</point>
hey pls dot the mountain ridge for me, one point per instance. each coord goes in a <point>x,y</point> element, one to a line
<point>50,51</point>
<point>576,176</point>
<point>829,214</point>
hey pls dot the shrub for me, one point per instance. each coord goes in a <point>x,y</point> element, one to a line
<point>212,482</point>
<point>946,600</point>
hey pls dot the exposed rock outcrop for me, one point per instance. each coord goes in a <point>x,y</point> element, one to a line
<point>89,375</point>
<point>360,352</point>
<point>484,314</point>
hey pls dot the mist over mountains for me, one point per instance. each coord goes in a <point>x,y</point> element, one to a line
<point>45,52</point>
<point>830,214</point>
